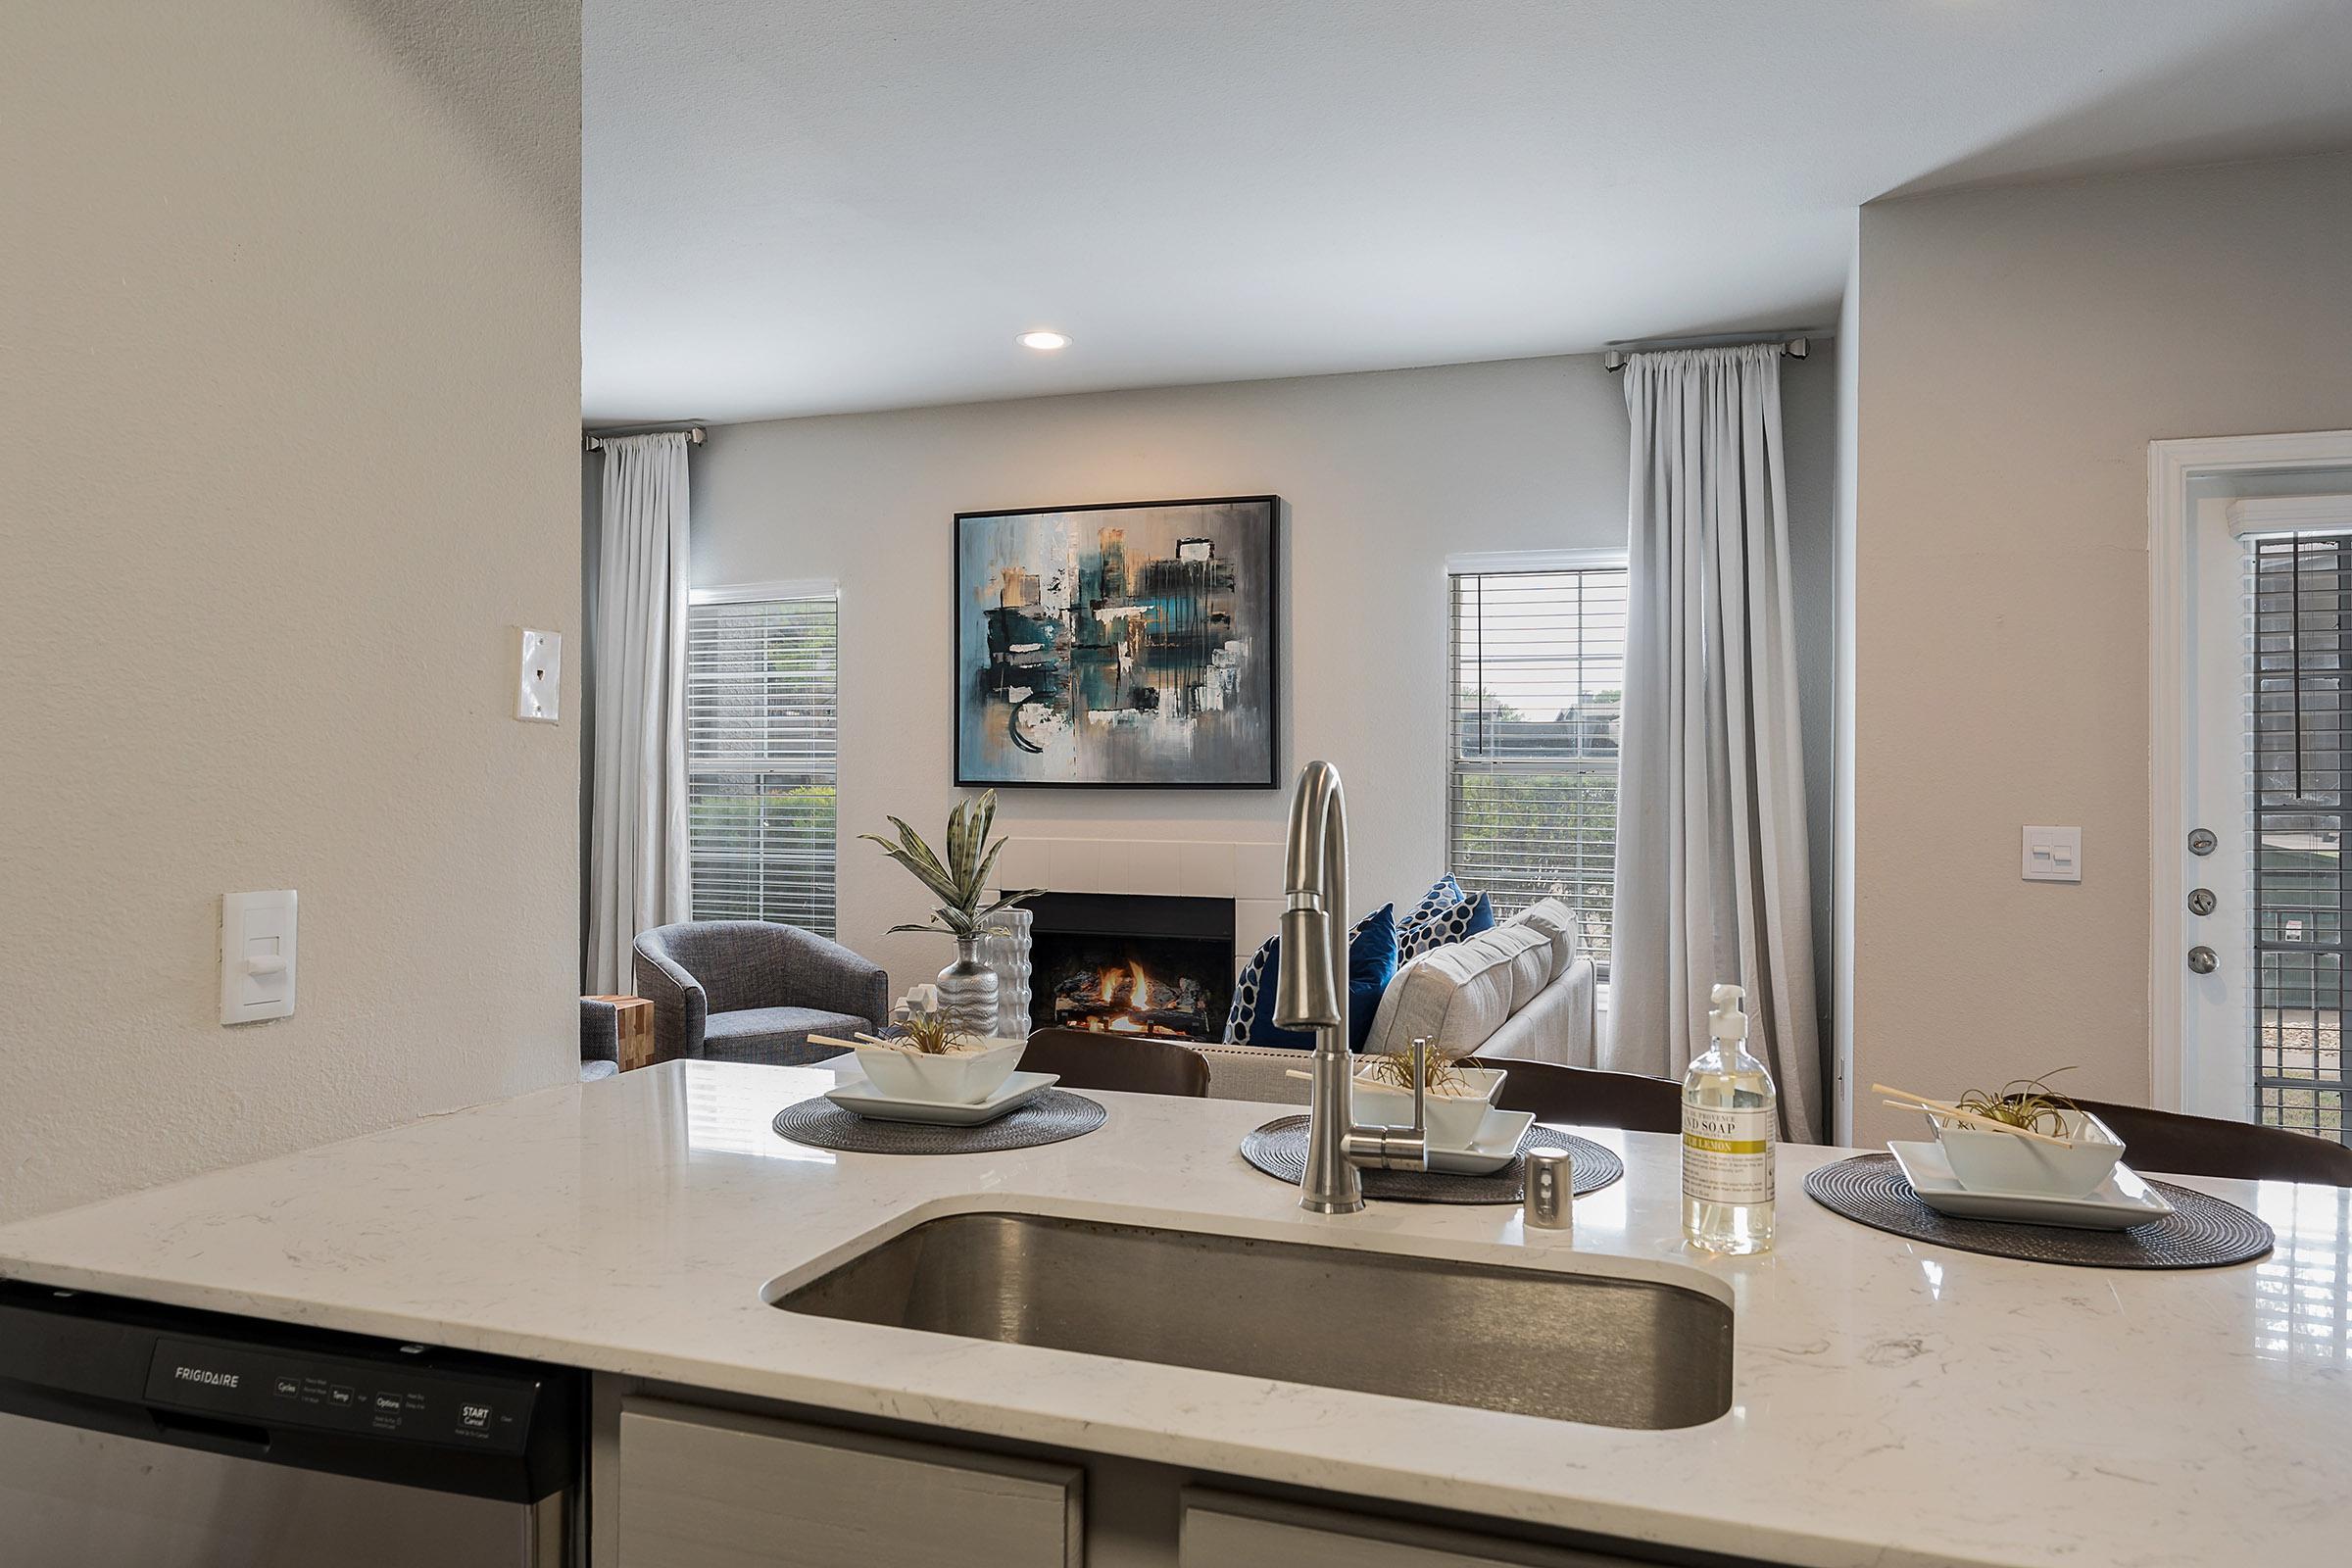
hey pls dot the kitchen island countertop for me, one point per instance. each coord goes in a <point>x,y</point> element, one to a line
<point>1893,1402</point>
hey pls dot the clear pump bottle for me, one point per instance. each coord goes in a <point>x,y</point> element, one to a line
<point>1731,1120</point>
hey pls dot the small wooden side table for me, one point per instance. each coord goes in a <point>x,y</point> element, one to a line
<point>633,1035</point>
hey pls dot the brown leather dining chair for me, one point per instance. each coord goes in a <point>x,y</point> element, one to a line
<point>1086,1058</point>
<point>2205,1146</point>
<point>1590,1097</point>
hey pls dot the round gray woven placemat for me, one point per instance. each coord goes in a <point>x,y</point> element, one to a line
<point>2201,1231</point>
<point>1279,1148</point>
<point>1049,1118</point>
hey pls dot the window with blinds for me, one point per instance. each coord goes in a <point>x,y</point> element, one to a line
<point>761,740</point>
<point>2301,630</point>
<point>1537,662</point>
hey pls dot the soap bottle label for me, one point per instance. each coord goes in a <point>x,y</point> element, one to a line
<point>1727,1155</point>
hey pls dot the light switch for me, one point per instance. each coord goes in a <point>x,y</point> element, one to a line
<point>542,675</point>
<point>257,956</point>
<point>2053,854</point>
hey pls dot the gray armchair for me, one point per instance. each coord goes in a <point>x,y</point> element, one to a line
<point>754,991</point>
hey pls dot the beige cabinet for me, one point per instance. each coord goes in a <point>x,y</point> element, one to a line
<point>1227,1530</point>
<point>713,1489</point>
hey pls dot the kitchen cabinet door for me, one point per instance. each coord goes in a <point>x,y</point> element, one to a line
<point>715,1489</point>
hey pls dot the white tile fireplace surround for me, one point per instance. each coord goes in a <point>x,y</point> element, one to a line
<point>1249,873</point>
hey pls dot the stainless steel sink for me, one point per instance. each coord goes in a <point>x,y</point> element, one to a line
<point>1570,1347</point>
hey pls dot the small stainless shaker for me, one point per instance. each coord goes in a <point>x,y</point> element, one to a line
<point>1551,1203</point>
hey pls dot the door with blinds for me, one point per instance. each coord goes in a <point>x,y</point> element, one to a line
<point>2270,720</point>
<point>762,728</point>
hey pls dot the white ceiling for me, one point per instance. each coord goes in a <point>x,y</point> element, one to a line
<point>801,208</point>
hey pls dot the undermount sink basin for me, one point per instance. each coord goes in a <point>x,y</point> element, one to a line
<point>1569,1347</point>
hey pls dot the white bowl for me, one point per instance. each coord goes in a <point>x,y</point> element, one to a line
<point>1986,1161</point>
<point>966,1078</point>
<point>1453,1118</point>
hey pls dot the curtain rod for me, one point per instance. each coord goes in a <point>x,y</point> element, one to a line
<point>594,440</point>
<point>1797,344</point>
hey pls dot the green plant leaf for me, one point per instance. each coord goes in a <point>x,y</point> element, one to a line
<point>959,844</point>
<point>913,843</point>
<point>986,811</point>
<point>926,868</point>
<point>988,863</point>
<point>1007,900</point>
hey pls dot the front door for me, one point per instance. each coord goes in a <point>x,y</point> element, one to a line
<point>2267,721</point>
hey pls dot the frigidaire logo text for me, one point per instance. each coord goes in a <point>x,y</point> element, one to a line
<point>197,1374</point>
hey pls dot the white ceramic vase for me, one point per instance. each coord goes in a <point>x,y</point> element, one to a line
<point>1005,948</point>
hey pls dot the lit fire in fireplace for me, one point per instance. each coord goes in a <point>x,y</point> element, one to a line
<point>1126,999</point>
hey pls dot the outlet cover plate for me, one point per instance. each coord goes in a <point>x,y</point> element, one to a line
<point>542,676</point>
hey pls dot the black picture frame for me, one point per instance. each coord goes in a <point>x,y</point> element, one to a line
<point>1269,562</point>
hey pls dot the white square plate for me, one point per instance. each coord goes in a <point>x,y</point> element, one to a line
<point>862,1097</point>
<point>1495,1146</point>
<point>2117,1203</point>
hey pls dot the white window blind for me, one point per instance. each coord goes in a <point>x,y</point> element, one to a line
<point>763,730</point>
<point>1539,671</point>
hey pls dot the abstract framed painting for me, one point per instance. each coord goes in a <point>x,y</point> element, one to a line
<point>1129,646</point>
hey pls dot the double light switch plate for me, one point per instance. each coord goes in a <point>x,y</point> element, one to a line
<point>2053,854</point>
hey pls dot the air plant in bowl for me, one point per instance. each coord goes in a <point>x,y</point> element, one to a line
<point>2026,1138</point>
<point>1455,1098</point>
<point>931,1058</point>
<point>958,879</point>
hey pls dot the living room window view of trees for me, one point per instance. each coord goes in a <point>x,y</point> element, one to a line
<point>1539,673</point>
<point>762,728</point>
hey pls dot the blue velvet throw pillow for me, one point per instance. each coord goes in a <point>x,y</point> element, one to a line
<point>1445,914</point>
<point>1371,964</point>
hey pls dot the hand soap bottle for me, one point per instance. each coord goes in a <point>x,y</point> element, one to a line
<point>1731,1118</point>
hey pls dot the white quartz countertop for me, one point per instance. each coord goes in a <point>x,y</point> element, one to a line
<point>1893,1402</point>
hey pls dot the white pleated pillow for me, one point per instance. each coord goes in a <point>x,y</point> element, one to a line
<point>1458,995</point>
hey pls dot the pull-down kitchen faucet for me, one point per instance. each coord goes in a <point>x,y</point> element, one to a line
<point>1311,993</point>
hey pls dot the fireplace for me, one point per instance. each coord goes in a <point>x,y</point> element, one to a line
<point>1132,963</point>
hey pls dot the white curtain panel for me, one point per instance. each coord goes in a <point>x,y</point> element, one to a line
<point>637,869</point>
<point>1711,867</point>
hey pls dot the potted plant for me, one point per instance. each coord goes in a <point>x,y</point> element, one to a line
<point>958,879</point>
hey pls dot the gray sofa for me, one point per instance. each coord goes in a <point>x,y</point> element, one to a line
<point>754,991</point>
<point>1525,990</point>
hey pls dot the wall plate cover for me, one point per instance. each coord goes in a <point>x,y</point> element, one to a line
<point>2053,854</point>
<point>542,675</point>
<point>257,956</point>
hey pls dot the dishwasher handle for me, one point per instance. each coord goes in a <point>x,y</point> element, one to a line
<point>232,1439</point>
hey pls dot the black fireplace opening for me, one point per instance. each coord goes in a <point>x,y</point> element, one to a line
<point>1131,963</point>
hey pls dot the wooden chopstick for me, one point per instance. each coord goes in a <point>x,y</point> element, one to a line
<point>1907,1101</point>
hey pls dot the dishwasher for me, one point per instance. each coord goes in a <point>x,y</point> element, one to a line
<point>177,1439</point>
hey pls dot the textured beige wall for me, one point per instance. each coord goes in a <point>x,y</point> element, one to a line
<point>2017,350</point>
<point>290,411</point>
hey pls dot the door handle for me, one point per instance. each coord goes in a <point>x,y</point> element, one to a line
<point>2202,959</point>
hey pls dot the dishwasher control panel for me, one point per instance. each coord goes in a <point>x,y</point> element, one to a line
<point>266,1387</point>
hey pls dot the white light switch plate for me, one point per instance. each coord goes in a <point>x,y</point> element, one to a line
<point>2053,854</point>
<point>542,675</point>
<point>257,956</point>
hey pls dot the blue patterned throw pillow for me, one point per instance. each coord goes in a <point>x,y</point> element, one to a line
<point>1371,964</point>
<point>1445,914</point>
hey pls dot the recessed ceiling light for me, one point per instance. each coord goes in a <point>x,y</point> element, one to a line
<point>1043,342</point>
